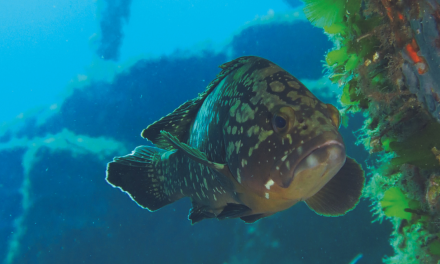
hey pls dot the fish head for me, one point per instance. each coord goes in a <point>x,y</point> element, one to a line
<point>289,146</point>
<point>311,152</point>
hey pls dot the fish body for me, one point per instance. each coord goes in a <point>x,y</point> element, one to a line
<point>256,142</point>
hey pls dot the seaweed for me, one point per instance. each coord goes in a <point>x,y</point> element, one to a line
<point>379,61</point>
<point>419,148</point>
<point>394,204</point>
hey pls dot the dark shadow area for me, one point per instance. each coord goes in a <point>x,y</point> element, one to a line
<point>300,51</point>
<point>11,179</point>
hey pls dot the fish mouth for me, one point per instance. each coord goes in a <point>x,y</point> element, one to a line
<point>331,153</point>
<point>326,150</point>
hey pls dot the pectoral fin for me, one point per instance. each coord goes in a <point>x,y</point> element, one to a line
<point>342,193</point>
<point>194,153</point>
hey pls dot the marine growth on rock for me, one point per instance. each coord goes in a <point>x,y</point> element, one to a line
<point>386,59</point>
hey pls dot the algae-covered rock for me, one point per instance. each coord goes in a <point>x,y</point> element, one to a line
<point>433,193</point>
<point>417,149</point>
<point>386,60</point>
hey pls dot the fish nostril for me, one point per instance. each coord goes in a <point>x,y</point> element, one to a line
<point>300,120</point>
<point>305,127</point>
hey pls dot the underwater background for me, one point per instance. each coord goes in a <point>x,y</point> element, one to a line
<point>81,79</point>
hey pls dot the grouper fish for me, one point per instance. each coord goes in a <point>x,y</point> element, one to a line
<point>254,143</point>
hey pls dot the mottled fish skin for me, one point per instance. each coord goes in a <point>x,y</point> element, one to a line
<point>256,142</point>
<point>234,126</point>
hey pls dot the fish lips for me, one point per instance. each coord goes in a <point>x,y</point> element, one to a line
<point>328,148</point>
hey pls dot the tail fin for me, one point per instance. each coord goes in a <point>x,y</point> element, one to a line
<point>136,175</point>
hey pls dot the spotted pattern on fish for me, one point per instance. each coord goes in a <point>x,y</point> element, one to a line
<point>243,101</point>
<point>226,151</point>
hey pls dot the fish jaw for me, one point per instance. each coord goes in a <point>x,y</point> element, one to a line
<point>311,174</point>
<point>331,154</point>
<point>317,169</point>
<point>313,165</point>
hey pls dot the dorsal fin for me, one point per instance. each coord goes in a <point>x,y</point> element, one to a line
<point>179,121</point>
<point>342,193</point>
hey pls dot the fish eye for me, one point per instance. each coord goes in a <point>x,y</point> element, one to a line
<point>334,115</point>
<point>283,119</point>
<point>280,122</point>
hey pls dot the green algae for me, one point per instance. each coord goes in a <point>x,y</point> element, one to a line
<point>335,28</point>
<point>434,247</point>
<point>370,39</point>
<point>324,12</point>
<point>337,57</point>
<point>352,62</point>
<point>396,204</point>
<point>417,148</point>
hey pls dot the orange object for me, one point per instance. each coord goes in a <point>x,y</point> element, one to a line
<point>388,8</point>
<point>412,49</point>
<point>390,15</point>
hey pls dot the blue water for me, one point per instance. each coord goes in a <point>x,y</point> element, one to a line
<point>79,82</point>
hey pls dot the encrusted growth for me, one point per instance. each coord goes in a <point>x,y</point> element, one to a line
<point>386,59</point>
